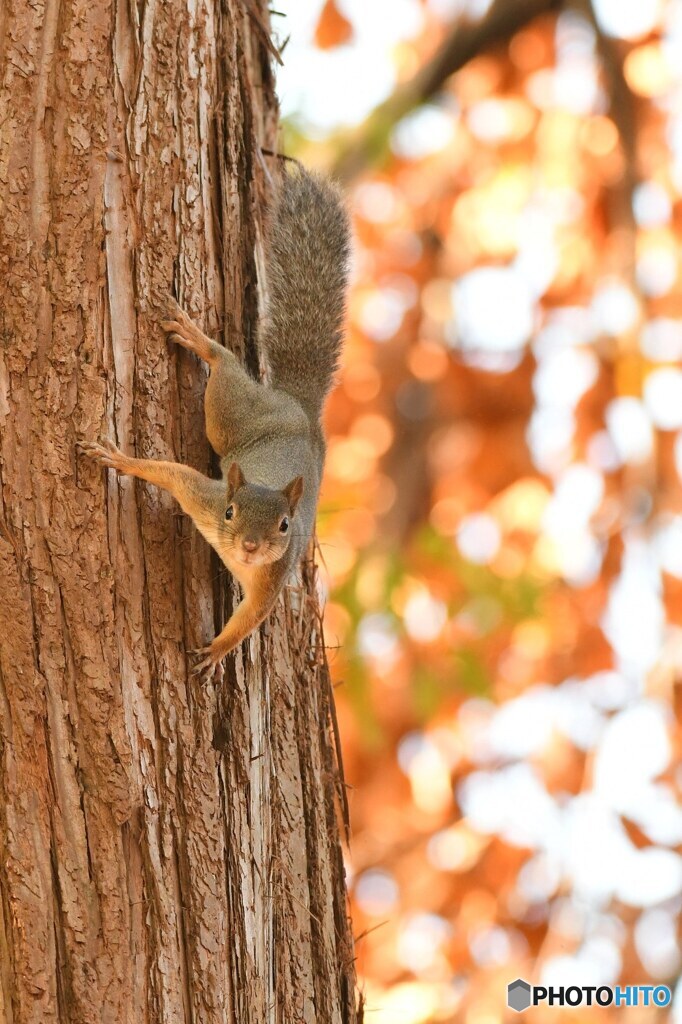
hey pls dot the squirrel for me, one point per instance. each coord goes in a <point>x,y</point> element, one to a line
<point>260,515</point>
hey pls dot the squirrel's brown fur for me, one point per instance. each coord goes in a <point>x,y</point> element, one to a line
<point>259,517</point>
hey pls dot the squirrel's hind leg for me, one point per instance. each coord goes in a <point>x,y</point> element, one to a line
<point>232,398</point>
<point>233,402</point>
<point>185,332</point>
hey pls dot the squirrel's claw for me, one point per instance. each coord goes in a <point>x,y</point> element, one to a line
<point>179,332</point>
<point>206,664</point>
<point>182,330</point>
<point>105,453</point>
<point>175,319</point>
<point>171,326</point>
<point>171,308</point>
<point>175,336</point>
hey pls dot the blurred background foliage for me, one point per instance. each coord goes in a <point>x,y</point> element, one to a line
<point>501,523</point>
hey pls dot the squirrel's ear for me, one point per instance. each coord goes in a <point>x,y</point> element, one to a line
<point>235,479</point>
<point>293,492</point>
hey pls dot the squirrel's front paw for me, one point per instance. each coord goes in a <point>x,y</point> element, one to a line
<point>106,453</point>
<point>208,660</point>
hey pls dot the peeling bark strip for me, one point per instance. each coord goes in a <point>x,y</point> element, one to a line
<point>168,853</point>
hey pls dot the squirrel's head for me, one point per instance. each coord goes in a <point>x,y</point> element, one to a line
<point>259,520</point>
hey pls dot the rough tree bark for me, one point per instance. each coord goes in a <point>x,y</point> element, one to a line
<point>169,852</point>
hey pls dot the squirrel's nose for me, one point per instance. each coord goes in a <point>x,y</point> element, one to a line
<point>249,545</point>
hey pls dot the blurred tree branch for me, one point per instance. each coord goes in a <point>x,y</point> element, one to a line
<point>466,40</point>
<point>629,362</point>
<point>622,112</point>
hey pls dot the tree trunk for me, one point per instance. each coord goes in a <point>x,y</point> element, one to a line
<point>168,850</point>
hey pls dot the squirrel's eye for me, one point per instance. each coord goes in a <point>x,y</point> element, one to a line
<point>230,512</point>
<point>284,525</point>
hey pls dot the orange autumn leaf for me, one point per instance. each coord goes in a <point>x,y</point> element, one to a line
<point>636,835</point>
<point>333,28</point>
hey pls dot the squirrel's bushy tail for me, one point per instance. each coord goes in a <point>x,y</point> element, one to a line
<point>307,267</point>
